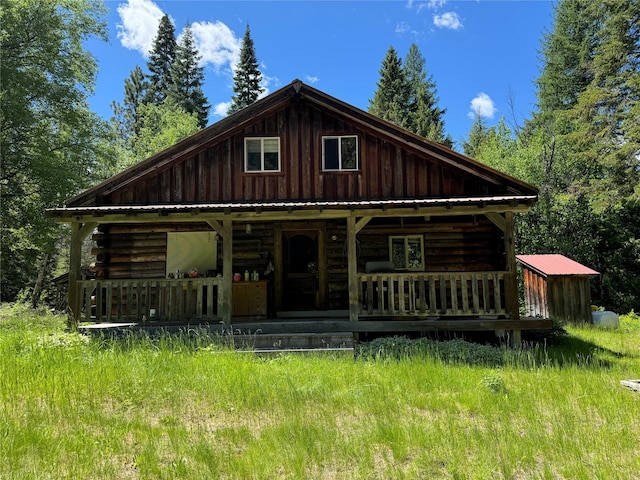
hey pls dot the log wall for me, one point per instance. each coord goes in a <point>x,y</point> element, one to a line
<point>464,244</point>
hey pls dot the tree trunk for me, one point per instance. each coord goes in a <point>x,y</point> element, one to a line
<point>37,288</point>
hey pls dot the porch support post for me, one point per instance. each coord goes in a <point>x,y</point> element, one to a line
<point>227,271</point>
<point>511,280</point>
<point>78,233</point>
<point>352,262</point>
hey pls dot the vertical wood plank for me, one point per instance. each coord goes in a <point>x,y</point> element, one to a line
<point>433,302</point>
<point>227,271</point>
<point>464,292</point>
<point>352,262</point>
<point>475,293</point>
<point>453,282</point>
<point>511,300</point>
<point>75,253</point>
<point>422,293</point>
<point>443,294</point>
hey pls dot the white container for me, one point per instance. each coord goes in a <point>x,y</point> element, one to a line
<point>605,319</point>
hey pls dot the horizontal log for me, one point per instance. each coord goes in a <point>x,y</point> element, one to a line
<point>129,250</point>
<point>151,257</point>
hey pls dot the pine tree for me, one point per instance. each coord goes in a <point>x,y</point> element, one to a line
<point>161,58</point>
<point>188,78</point>
<point>606,132</point>
<point>392,99</point>
<point>477,137</point>
<point>126,115</point>
<point>567,52</point>
<point>426,118</point>
<point>247,78</point>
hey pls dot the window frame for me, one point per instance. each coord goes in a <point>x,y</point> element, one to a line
<point>262,153</point>
<point>406,239</point>
<point>340,168</point>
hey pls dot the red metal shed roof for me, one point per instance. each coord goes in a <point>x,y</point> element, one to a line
<point>553,264</point>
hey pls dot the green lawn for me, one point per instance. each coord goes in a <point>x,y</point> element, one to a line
<point>188,408</point>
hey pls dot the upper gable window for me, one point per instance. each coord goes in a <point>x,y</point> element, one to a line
<point>340,153</point>
<point>262,154</point>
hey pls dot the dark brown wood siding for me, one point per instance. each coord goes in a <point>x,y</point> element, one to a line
<point>215,173</point>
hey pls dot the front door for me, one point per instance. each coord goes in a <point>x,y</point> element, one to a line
<point>300,273</point>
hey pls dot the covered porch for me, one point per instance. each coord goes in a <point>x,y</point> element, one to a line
<point>400,301</point>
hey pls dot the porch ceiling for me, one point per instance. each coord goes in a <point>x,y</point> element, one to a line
<point>296,210</point>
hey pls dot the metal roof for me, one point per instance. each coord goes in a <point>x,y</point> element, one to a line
<point>554,264</point>
<point>275,205</point>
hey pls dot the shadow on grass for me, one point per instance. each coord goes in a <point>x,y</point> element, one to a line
<point>558,350</point>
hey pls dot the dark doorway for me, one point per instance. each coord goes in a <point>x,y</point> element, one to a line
<point>300,270</point>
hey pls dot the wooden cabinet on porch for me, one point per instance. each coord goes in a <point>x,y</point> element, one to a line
<point>249,299</point>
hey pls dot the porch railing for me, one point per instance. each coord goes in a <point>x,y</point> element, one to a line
<point>432,294</point>
<point>150,299</point>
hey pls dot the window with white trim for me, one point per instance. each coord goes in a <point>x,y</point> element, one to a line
<point>262,154</point>
<point>340,152</point>
<point>406,252</point>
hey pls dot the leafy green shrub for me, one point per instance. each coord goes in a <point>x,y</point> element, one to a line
<point>494,382</point>
<point>449,351</point>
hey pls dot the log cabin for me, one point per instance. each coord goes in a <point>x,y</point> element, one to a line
<point>302,205</point>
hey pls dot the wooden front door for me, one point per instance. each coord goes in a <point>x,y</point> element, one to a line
<point>302,274</point>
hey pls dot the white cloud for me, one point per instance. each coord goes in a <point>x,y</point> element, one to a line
<point>139,27</point>
<point>216,43</point>
<point>312,79</point>
<point>221,109</point>
<point>403,27</point>
<point>430,4</point>
<point>447,20</point>
<point>436,3</point>
<point>482,105</point>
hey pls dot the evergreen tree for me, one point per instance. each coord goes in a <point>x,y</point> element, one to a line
<point>127,116</point>
<point>161,58</point>
<point>477,137</point>
<point>188,78</point>
<point>588,143</point>
<point>392,99</point>
<point>606,132</point>
<point>247,78</point>
<point>426,118</point>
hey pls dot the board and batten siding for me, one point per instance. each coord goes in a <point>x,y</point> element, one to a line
<point>215,171</point>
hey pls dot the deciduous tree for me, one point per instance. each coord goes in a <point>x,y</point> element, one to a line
<point>52,145</point>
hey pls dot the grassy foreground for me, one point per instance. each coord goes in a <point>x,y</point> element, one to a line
<point>186,408</point>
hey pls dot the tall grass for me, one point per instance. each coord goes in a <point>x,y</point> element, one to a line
<point>189,407</point>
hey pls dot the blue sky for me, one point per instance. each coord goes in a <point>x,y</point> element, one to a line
<point>480,53</point>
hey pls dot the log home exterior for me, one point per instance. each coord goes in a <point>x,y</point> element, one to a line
<point>326,208</point>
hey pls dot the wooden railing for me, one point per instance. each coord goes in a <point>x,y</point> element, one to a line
<point>150,299</point>
<point>432,294</point>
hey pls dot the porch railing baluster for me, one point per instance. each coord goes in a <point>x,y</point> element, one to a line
<point>432,294</point>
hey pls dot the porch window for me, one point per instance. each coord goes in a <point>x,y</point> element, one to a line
<point>407,252</point>
<point>340,153</point>
<point>188,250</point>
<point>262,154</point>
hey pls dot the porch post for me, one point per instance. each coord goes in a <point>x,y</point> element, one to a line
<point>511,280</point>
<point>352,262</point>
<point>227,271</point>
<point>74,275</point>
<point>78,233</point>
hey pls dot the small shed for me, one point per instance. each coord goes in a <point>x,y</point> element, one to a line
<point>556,287</point>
